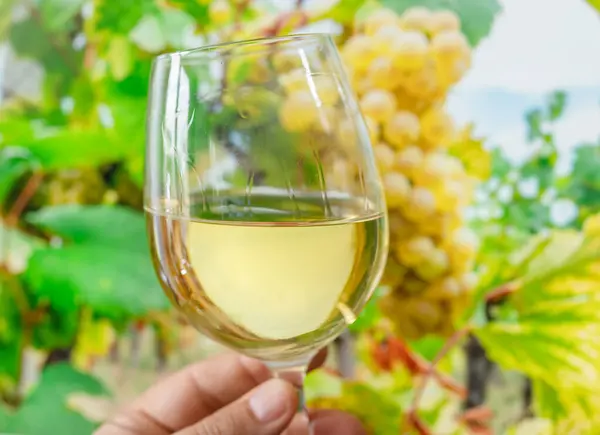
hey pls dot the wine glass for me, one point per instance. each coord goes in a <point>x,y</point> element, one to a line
<point>266,215</point>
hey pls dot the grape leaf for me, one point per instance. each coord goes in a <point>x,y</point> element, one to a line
<point>120,57</point>
<point>501,166</point>
<point>477,17</point>
<point>57,15</point>
<point>548,329</point>
<point>106,264</point>
<point>122,16</point>
<point>14,163</point>
<point>10,336</point>
<point>46,411</point>
<point>69,149</point>
<point>148,34</point>
<point>595,4</point>
<point>369,316</point>
<point>98,225</point>
<point>28,39</point>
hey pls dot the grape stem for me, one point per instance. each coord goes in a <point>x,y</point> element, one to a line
<point>452,342</point>
<point>501,292</point>
<point>23,199</point>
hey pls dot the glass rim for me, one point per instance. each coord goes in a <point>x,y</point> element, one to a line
<point>224,46</point>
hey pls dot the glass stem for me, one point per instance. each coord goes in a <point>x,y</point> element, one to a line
<point>294,373</point>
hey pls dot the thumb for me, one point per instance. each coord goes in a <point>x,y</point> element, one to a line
<point>268,409</point>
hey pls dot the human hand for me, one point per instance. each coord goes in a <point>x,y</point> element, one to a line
<point>225,395</point>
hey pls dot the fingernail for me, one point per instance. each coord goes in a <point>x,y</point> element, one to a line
<point>270,400</point>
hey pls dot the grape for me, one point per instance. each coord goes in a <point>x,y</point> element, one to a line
<point>402,78</point>
<point>437,128</point>
<point>444,21</point>
<point>358,52</point>
<point>415,251</point>
<point>397,189</point>
<point>434,266</point>
<point>400,228</point>
<point>417,18</point>
<point>341,175</point>
<point>394,274</point>
<point>219,12</point>
<point>403,128</point>
<point>384,156</point>
<point>324,86</point>
<point>298,111</point>
<point>327,120</point>
<point>420,205</point>
<point>378,19</point>
<point>378,104</point>
<point>409,51</point>
<point>381,73</point>
<point>409,159</point>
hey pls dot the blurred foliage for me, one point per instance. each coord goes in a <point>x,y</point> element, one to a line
<point>74,256</point>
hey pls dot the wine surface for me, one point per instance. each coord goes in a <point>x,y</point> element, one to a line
<point>270,275</point>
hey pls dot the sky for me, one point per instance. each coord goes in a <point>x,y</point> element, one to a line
<point>539,45</point>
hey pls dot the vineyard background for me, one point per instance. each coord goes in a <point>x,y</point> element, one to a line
<point>75,322</point>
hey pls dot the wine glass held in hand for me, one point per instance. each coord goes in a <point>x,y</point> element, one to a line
<point>265,210</point>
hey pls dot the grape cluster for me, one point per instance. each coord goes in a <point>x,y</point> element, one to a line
<point>402,67</point>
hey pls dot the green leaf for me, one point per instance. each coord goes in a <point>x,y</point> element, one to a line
<point>120,57</point>
<point>57,329</point>
<point>319,383</point>
<point>557,104</point>
<point>106,265</point>
<point>369,316</point>
<point>57,14</point>
<point>344,11</point>
<point>10,337</point>
<point>46,409</point>
<point>549,328</point>
<point>119,17</point>
<point>29,39</point>
<point>501,166</point>
<point>14,163</point>
<point>477,17</point>
<point>70,149</point>
<point>100,225</point>
<point>594,4</point>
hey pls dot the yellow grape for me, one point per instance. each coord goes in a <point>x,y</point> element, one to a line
<point>325,86</point>
<point>424,83</point>
<point>437,168</point>
<point>451,195</point>
<point>384,157</point>
<point>378,19</point>
<point>450,46</point>
<point>397,189</point>
<point>402,129</point>
<point>286,61</point>
<point>439,224</point>
<point>426,314</point>
<point>462,248</point>
<point>373,128</point>
<point>415,250</point>
<point>400,228</point>
<point>341,175</point>
<point>219,12</point>
<point>358,52</point>
<point>378,104</point>
<point>409,159</point>
<point>591,226</point>
<point>381,73</point>
<point>416,18</point>
<point>420,205</point>
<point>444,21</point>
<point>413,285</point>
<point>409,51</point>
<point>434,266</point>
<point>298,112</point>
<point>437,128</point>
<point>394,273</point>
<point>446,288</point>
<point>383,40</point>
<point>468,282</point>
<point>326,120</point>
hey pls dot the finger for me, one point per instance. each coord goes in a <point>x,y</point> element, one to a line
<point>333,422</point>
<point>196,391</point>
<point>327,422</point>
<point>266,410</point>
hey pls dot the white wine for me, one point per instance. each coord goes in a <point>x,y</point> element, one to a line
<point>279,277</point>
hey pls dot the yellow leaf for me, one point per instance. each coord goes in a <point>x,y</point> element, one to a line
<point>472,153</point>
